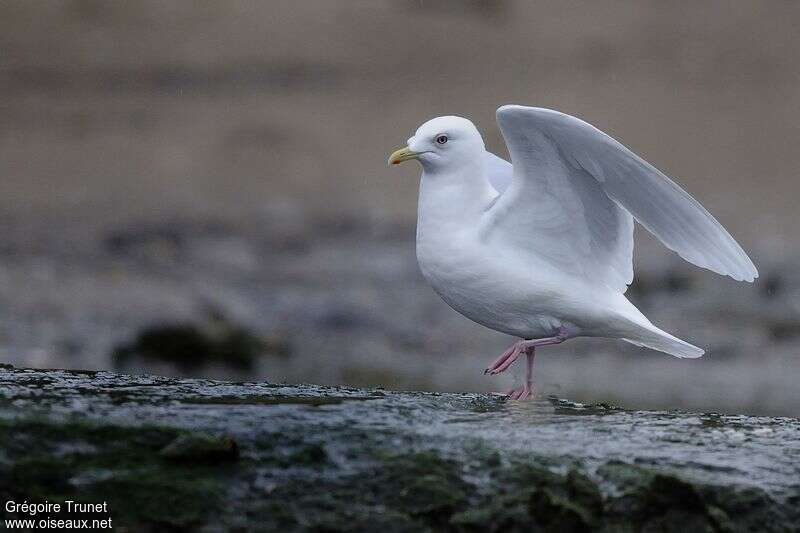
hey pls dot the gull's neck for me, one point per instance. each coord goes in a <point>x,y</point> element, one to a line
<point>452,201</point>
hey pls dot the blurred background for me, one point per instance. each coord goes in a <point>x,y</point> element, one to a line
<point>200,188</point>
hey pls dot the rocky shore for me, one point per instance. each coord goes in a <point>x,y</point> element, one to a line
<point>190,454</point>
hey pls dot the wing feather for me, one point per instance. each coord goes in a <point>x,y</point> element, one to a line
<point>575,189</point>
<point>499,172</point>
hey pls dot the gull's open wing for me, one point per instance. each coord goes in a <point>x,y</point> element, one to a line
<point>575,191</point>
<point>499,172</point>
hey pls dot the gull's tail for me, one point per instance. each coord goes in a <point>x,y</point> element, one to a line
<point>652,337</point>
<point>637,329</point>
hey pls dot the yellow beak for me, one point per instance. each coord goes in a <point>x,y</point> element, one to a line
<point>403,154</point>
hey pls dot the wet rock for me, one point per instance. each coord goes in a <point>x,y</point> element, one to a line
<point>201,449</point>
<point>123,469</point>
<point>430,487</point>
<point>312,454</point>
<point>189,454</point>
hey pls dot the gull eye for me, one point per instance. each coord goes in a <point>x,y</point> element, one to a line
<point>441,139</point>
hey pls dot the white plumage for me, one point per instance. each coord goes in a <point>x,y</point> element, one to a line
<point>541,247</point>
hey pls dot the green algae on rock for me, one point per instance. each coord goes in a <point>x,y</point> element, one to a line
<point>192,454</point>
<point>87,462</point>
<point>197,448</point>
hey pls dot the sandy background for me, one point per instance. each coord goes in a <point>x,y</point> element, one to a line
<point>160,159</point>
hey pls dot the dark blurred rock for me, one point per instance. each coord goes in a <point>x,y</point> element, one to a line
<point>784,329</point>
<point>344,318</point>
<point>145,241</point>
<point>670,282</point>
<point>191,346</point>
<point>677,282</point>
<point>163,241</point>
<point>772,285</point>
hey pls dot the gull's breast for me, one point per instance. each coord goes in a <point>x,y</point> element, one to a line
<point>479,282</point>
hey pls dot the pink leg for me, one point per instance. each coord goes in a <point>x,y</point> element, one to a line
<point>509,356</point>
<point>526,391</point>
<point>500,360</point>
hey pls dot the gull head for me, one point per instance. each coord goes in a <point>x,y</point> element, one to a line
<point>442,143</point>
